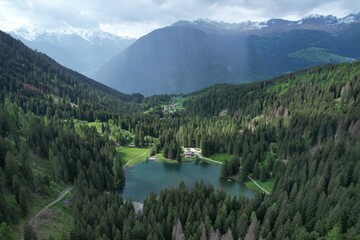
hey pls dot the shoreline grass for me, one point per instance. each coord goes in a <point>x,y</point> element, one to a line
<point>221,157</point>
<point>130,156</point>
<point>268,185</point>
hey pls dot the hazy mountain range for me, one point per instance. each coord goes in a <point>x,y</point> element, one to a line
<point>191,55</point>
<point>81,50</point>
<point>317,22</point>
<point>188,56</point>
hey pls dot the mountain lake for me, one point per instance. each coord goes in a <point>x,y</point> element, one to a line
<point>151,176</point>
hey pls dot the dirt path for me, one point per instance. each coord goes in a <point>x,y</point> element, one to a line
<point>208,159</point>
<point>126,164</point>
<point>58,199</point>
<point>258,185</point>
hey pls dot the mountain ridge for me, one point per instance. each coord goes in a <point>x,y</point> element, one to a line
<point>31,33</point>
<point>45,86</point>
<point>83,50</point>
<point>275,24</point>
<point>182,59</point>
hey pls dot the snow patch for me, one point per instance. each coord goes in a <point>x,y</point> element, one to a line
<point>347,20</point>
<point>90,35</point>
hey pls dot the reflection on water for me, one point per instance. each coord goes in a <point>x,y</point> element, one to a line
<point>172,167</point>
<point>151,176</point>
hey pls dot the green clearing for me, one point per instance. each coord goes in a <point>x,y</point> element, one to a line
<point>60,221</point>
<point>176,104</point>
<point>37,203</point>
<point>114,132</point>
<point>279,88</point>
<point>221,157</point>
<point>315,54</point>
<point>40,169</point>
<point>132,155</point>
<point>267,185</point>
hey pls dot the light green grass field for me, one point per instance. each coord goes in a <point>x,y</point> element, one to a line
<point>267,185</point>
<point>221,157</point>
<point>160,157</point>
<point>132,155</point>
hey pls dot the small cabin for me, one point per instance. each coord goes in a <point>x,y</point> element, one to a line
<point>188,154</point>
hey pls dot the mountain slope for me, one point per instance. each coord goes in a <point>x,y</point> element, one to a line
<point>301,129</point>
<point>331,90</point>
<point>172,60</point>
<point>81,50</point>
<point>41,149</point>
<point>187,57</point>
<point>38,83</point>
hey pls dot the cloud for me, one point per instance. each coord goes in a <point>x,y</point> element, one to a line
<point>137,17</point>
<point>129,29</point>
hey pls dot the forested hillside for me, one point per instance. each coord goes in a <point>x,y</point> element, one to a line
<point>299,132</point>
<point>331,89</point>
<point>38,84</point>
<point>37,156</point>
<point>41,150</point>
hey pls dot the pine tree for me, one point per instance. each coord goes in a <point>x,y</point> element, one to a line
<point>29,233</point>
<point>23,201</point>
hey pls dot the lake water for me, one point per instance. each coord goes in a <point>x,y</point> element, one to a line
<point>152,176</point>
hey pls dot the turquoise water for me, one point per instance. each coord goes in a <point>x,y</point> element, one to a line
<point>151,176</point>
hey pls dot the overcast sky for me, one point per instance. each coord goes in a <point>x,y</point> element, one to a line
<point>134,18</point>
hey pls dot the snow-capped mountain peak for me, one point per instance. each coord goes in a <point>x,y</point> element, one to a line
<point>351,18</point>
<point>313,21</point>
<point>28,33</point>
<point>90,35</point>
<point>313,16</point>
<point>83,50</point>
<point>320,19</point>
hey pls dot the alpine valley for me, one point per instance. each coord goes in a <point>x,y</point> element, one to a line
<point>82,50</point>
<point>188,56</point>
<point>70,147</point>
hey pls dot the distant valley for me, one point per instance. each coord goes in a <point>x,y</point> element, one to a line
<point>78,49</point>
<point>69,140</point>
<point>189,56</point>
